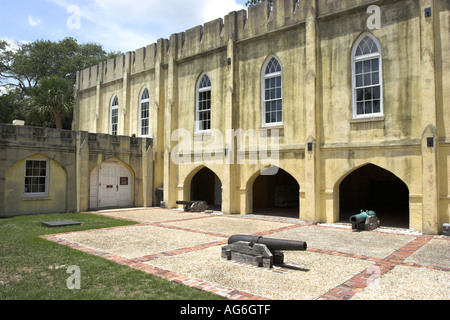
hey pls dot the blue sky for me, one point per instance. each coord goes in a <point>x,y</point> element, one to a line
<point>118,25</point>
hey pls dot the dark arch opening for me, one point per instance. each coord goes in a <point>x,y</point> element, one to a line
<point>276,195</point>
<point>373,188</point>
<point>206,186</point>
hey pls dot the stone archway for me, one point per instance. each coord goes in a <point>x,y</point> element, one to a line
<point>373,188</point>
<point>206,186</point>
<point>276,195</point>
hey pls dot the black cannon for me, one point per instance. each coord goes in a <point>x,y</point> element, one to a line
<point>272,244</point>
<point>366,220</point>
<point>259,251</point>
<point>194,206</point>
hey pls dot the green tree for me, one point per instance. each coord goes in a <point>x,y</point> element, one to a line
<point>53,96</point>
<point>253,2</point>
<point>11,106</point>
<point>24,67</point>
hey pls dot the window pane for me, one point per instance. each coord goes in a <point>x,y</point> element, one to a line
<point>368,94</point>
<point>375,78</point>
<point>278,81</point>
<point>360,95</point>
<point>367,79</point>
<point>376,106</point>
<point>375,64</point>
<point>279,105</point>
<point>273,117</point>
<point>368,107</point>
<point>359,67</point>
<point>366,66</point>
<point>359,81</point>
<point>360,108</point>
<point>376,92</point>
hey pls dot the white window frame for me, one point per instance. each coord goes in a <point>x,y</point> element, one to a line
<point>265,76</point>
<point>197,105</point>
<point>143,101</point>
<point>362,58</point>
<point>32,176</point>
<point>114,107</point>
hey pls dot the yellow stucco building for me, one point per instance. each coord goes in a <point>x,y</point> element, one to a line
<point>313,109</point>
<point>46,170</point>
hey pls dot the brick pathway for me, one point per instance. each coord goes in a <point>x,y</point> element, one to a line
<point>343,291</point>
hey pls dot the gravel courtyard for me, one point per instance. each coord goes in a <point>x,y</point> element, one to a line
<point>183,247</point>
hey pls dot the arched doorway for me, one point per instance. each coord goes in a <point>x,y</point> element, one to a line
<point>373,188</point>
<point>110,186</point>
<point>206,186</point>
<point>276,195</point>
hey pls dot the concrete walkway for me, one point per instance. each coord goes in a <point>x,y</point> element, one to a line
<point>183,247</point>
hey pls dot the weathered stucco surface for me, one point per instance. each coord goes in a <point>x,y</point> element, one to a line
<point>313,41</point>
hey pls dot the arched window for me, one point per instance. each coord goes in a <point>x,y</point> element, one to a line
<point>272,91</point>
<point>144,113</point>
<point>114,115</point>
<point>203,108</point>
<point>367,77</point>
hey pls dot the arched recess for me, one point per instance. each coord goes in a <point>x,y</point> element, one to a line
<point>371,187</point>
<point>274,192</point>
<point>111,185</point>
<point>36,184</point>
<point>204,185</point>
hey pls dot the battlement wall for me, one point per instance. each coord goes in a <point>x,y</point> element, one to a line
<point>240,25</point>
<point>35,138</point>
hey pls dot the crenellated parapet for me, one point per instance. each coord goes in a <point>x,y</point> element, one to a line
<point>259,20</point>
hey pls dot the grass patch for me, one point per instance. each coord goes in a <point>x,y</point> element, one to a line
<point>32,268</point>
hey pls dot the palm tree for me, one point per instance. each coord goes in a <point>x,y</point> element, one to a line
<point>54,96</point>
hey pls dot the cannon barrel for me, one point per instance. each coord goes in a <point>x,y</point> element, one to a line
<point>272,244</point>
<point>358,218</point>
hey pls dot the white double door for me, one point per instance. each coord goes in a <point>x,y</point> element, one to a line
<point>112,182</point>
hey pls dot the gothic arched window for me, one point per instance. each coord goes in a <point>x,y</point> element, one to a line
<point>272,93</point>
<point>114,116</point>
<point>203,107</point>
<point>144,113</point>
<point>367,77</point>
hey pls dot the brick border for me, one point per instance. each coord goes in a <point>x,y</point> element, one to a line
<point>348,289</point>
<point>343,291</point>
<point>139,264</point>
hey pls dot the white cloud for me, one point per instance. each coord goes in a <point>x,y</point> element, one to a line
<point>34,22</point>
<point>10,44</point>
<point>127,25</point>
<point>214,9</point>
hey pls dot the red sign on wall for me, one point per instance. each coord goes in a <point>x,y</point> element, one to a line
<point>124,181</point>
